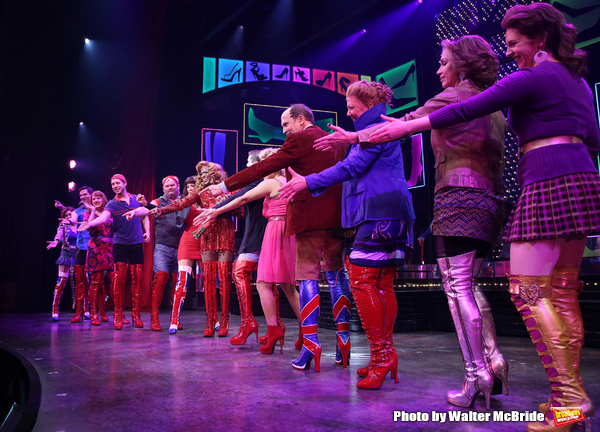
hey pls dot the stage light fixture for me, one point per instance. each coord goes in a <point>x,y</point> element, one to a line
<point>71,186</point>
<point>87,41</point>
<point>72,164</point>
<point>363,31</point>
<point>420,1</point>
<point>241,27</point>
<point>80,123</point>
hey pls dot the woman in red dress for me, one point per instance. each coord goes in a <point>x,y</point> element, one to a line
<point>214,248</point>
<point>99,260</point>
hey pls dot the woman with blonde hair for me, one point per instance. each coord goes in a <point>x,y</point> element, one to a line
<point>278,253</point>
<point>214,247</point>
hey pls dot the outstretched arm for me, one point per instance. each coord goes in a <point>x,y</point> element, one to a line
<point>396,129</point>
<point>98,221</point>
<point>339,138</point>
<point>295,185</point>
<point>262,190</point>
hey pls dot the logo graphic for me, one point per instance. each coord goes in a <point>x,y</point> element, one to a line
<point>567,415</point>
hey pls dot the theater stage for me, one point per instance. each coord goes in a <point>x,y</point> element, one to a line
<point>95,378</point>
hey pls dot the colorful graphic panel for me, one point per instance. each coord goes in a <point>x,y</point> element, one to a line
<point>256,71</point>
<point>216,144</point>
<point>281,73</point>
<point>344,80</point>
<point>403,82</point>
<point>230,72</point>
<point>301,75</point>
<point>262,123</point>
<point>324,79</point>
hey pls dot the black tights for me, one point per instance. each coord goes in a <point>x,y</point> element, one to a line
<point>449,246</point>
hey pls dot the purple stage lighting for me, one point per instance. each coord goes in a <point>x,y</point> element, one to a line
<point>80,123</point>
<point>72,164</point>
<point>363,31</point>
<point>71,186</point>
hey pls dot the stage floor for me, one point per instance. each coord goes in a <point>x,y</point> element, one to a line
<point>95,378</point>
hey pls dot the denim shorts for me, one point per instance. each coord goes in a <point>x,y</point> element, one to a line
<point>165,259</point>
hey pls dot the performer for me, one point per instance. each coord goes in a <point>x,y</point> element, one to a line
<point>317,226</point>
<point>128,237</point>
<point>551,110</point>
<point>214,247</point>
<point>248,257</point>
<point>99,258</point>
<point>167,233</point>
<point>65,234</point>
<point>468,209</point>
<point>81,282</point>
<point>278,261</point>
<point>371,180</point>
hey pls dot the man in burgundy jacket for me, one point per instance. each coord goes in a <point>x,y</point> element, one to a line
<point>316,222</point>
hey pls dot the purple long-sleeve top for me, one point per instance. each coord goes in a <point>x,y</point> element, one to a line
<point>543,101</point>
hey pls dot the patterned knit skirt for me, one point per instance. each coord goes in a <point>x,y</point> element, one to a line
<point>467,212</point>
<point>561,207</point>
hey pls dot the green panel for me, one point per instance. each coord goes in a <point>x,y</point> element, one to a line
<point>403,82</point>
<point>209,74</point>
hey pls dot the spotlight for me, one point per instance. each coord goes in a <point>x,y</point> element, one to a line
<point>80,123</point>
<point>241,27</point>
<point>363,31</point>
<point>87,41</point>
<point>419,1</point>
<point>72,164</point>
<point>71,186</point>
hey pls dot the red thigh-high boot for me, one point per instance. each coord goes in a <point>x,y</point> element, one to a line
<point>310,304</point>
<point>340,299</point>
<point>80,281</point>
<point>210,296</point>
<point>225,289</point>
<point>158,289</point>
<point>102,298</point>
<point>532,298</point>
<point>263,339</point>
<point>183,281</point>
<point>373,316</point>
<point>86,297</point>
<point>97,280</point>
<point>242,274</point>
<point>137,284</point>
<point>58,290</point>
<point>117,293</point>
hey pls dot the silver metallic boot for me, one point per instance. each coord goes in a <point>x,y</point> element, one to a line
<point>457,278</point>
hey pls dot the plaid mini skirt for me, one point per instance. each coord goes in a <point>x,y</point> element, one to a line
<point>561,207</point>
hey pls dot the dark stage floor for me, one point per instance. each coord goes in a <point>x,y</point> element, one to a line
<point>95,378</point>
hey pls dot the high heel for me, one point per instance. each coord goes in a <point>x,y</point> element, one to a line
<point>344,83</point>
<point>245,331</point>
<point>298,343</point>
<point>498,368</point>
<point>378,371</point>
<point>58,290</point>
<point>531,296</point>
<point>340,299</point>
<point>363,372</point>
<point>310,301</point>
<point>242,274</point>
<point>300,73</point>
<point>274,334</point>
<point>283,73</point>
<point>256,72</point>
<point>326,78</point>
<point>302,362</point>
<point>234,72</point>
<point>263,339</point>
<point>183,281</point>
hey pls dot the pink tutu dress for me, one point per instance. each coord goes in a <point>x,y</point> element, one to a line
<point>277,261</point>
